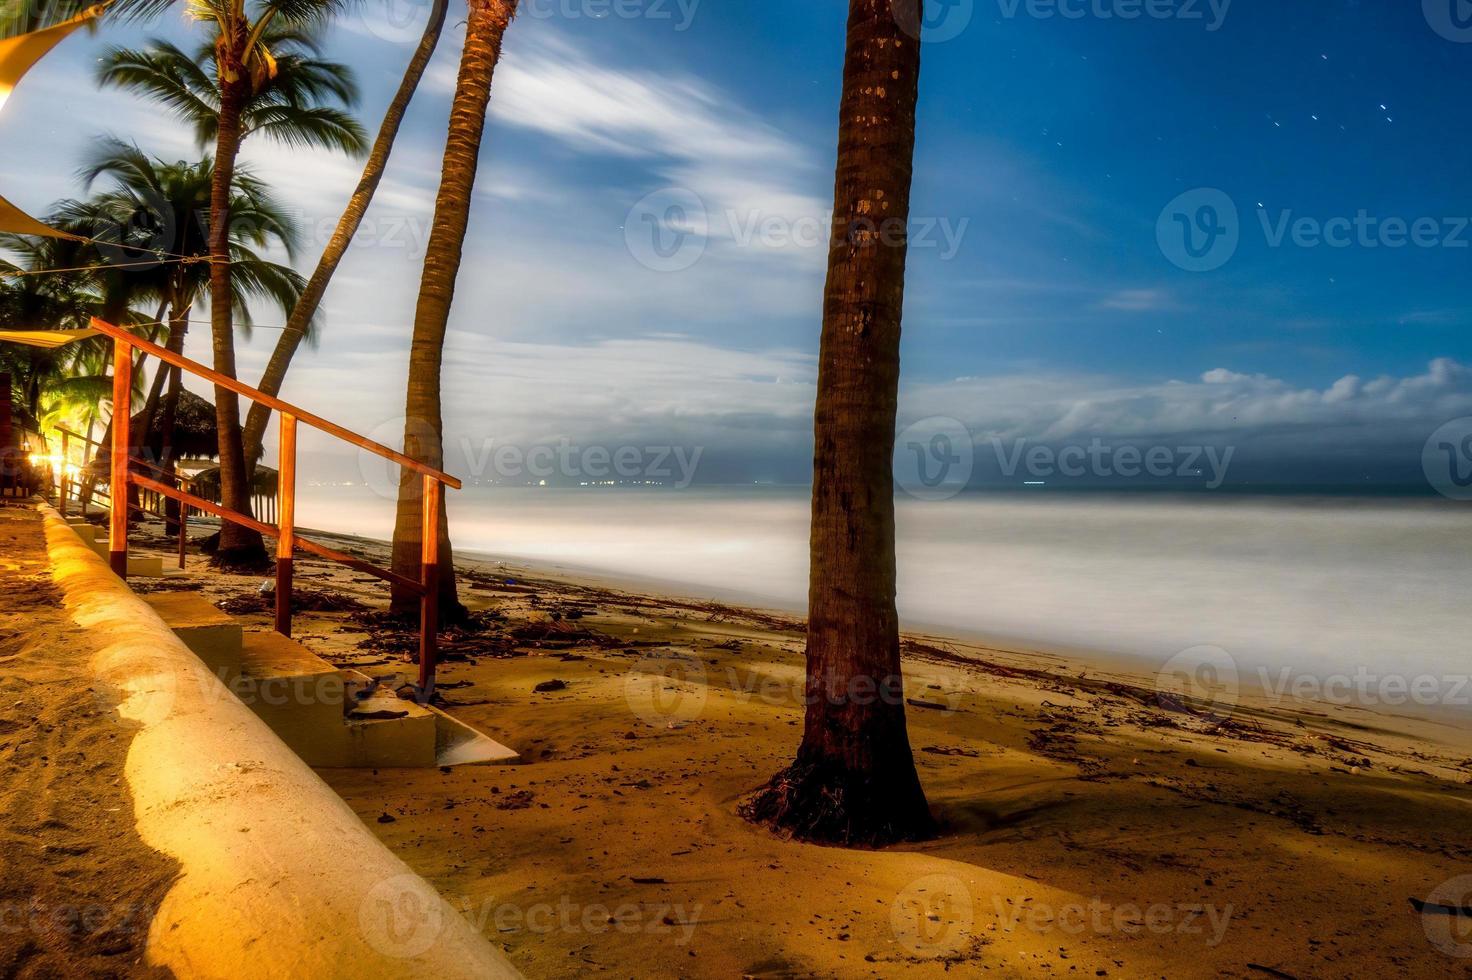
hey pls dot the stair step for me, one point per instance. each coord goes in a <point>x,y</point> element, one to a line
<point>387,732</point>
<point>139,565</point>
<point>214,637</point>
<point>268,654</point>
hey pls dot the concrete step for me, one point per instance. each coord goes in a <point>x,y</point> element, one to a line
<point>384,731</point>
<point>301,696</point>
<point>89,533</point>
<point>315,708</point>
<point>214,637</point>
<point>138,565</point>
<point>312,706</point>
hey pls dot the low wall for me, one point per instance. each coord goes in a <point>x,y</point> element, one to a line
<point>278,876</point>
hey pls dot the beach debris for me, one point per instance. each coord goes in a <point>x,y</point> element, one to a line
<point>1270,971</point>
<point>1437,908</point>
<point>380,714</point>
<point>522,799</point>
<point>302,600</point>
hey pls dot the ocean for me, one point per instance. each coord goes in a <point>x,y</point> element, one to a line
<point>1287,587</point>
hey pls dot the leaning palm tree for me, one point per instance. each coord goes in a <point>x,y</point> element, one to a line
<point>424,426</point>
<point>854,779</point>
<point>257,74</point>
<point>347,227</point>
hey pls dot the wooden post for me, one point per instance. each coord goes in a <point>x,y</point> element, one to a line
<point>122,401</point>
<point>286,540</point>
<point>429,579</point>
<point>66,458</point>
<point>183,521</point>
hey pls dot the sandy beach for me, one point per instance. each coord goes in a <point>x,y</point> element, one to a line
<point>78,887</point>
<point>1094,826</point>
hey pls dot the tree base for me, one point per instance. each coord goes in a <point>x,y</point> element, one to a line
<point>250,559</point>
<point>451,613</point>
<point>825,804</point>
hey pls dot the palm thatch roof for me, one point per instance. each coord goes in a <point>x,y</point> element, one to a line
<point>194,437</point>
<point>194,428</point>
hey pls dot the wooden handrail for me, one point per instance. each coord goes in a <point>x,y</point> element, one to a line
<point>271,531</point>
<point>121,462</point>
<point>77,435</point>
<point>271,402</point>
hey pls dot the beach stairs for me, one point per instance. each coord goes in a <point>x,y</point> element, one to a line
<point>331,717</point>
<point>96,539</point>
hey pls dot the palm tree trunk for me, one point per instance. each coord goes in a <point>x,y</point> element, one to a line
<point>854,779</point>
<point>423,427</point>
<point>178,328</point>
<point>239,546</point>
<point>347,226</point>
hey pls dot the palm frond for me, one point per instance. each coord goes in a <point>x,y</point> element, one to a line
<point>313,127</point>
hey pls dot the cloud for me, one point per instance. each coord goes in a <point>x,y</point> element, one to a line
<point>1351,415</point>
<point>1139,301</point>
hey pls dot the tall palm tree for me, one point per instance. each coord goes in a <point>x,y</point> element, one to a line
<point>854,780</point>
<point>256,74</point>
<point>424,427</point>
<point>301,317</point>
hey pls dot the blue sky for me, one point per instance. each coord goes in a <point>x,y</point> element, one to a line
<point>1041,302</point>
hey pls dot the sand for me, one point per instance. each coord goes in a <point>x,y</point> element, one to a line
<point>1092,827</point>
<point>77,886</point>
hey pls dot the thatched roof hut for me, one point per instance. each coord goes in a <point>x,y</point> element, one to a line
<point>194,438</point>
<point>194,428</point>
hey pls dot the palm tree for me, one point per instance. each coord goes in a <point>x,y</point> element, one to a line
<point>152,204</point>
<point>256,74</point>
<point>424,427</point>
<point>854,780</point>
<point>347,227</point>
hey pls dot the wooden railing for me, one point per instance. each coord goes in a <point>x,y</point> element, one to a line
<point>285,533</point>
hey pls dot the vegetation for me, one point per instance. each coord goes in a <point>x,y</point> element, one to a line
<point>256,73</point>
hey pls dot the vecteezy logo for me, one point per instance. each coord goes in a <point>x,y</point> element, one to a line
<point>1199,231</point>
<point>1447,918</point>
<point>933,21</point>
<point>1447,459</point>
<point>1452,19</point>
<point>934,916</point>
<point>401,917</point>
<point>383,476</point>
<point>666,689</point>
<point>933,458</point>
<point>667,231</point>
<point>1201,681</point>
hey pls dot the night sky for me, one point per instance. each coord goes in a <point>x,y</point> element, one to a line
<point>1047,300</point>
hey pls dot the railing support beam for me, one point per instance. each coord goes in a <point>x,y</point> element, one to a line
<point>122,411</point>
<point>429,599</point>
<point>66,458</point>
<point>286,540</point>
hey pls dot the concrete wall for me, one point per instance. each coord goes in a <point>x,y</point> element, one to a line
<point>280,878</point>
